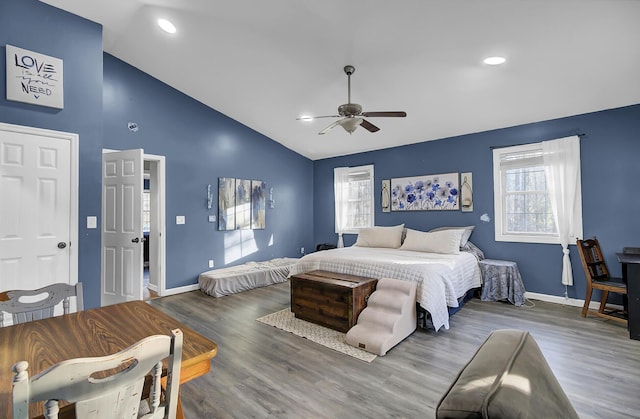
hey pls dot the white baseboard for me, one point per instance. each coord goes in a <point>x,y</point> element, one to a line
<point>565,301</point>
<point>180,290</point>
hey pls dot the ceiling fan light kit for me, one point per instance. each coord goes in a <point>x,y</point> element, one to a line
<point>352,112</point>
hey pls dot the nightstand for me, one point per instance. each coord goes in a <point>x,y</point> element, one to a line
<point>501,281</point>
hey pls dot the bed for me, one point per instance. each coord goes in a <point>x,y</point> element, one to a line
<point>225,281</point>
<point>442,278</point>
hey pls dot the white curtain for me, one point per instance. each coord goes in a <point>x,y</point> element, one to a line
<point>340,190</point>
<point>561,159</point>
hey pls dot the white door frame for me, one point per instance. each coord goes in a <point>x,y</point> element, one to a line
<point>157,235</point>
<point>73,198</point>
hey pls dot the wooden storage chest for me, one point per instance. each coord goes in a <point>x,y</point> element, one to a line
<point>330,299</point>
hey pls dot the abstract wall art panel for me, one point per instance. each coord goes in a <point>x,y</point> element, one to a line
<point>226,203</point>
<point>243,204</point>
<point>258,204</point>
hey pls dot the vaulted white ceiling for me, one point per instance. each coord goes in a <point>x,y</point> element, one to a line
<point>265,63</point>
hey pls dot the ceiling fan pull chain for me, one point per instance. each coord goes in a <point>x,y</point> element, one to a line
<point>349,87</point>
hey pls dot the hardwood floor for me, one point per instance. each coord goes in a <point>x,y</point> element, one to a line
<point>262,372</point>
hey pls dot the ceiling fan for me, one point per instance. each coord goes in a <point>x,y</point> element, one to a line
<point>352,112</point>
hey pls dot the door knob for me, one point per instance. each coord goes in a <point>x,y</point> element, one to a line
<point>136,240</point>
<point>62,245</point>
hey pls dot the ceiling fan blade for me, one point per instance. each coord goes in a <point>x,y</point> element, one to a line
<point>369,126</point>
<point>333,124</point>
<point>311,118</point>
<point>400,114</point>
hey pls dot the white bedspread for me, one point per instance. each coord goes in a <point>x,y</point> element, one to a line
<point>442,279</point>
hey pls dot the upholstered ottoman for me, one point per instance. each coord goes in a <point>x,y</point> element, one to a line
<point>508,377</point>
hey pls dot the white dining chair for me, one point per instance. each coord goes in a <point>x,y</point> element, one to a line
<point>29,305</point>
<point>106,387</point>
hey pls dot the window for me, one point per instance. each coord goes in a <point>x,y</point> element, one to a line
<point>354,207</point>
<point>523,206</point>
<point>146,210</point>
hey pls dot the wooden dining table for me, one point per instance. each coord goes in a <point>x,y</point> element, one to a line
<point>90,333</point>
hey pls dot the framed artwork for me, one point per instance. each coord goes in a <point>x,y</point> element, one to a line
<point>385,196</point>
<point>226,203</point>
<point>243,204</point>
<point>258,204</point>
<point>466,192</point>
<point>34,78</point>
<point>425,193</point>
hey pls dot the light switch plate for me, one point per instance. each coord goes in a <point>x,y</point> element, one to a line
<point>92,221</point>
<point>212,218</point>
<point>180,219</point>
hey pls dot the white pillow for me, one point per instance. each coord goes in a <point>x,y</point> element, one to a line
<point>380,237</point>
<point>465,235</point>
<point>445,241</point>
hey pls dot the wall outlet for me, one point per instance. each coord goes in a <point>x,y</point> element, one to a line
<point>211,263</point>
<point>302,250</point>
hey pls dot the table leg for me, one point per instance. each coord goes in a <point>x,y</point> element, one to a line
<point>179,412</point>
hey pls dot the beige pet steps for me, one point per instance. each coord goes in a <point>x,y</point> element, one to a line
<point>390,316</point>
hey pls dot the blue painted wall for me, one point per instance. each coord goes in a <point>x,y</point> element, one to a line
<point>610,190</point>
<point>35,26</point>
<point>201,145</point>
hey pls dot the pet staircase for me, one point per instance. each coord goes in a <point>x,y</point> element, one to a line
<point>390,316</point>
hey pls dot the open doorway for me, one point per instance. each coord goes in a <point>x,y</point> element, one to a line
<point>147,291</point>
<point>153,226</point>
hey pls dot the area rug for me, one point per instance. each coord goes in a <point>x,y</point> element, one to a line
<point>332,339</point>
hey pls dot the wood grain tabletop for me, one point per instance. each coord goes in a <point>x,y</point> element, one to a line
<point>90,333</point>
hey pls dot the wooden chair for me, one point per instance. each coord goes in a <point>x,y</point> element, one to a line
<point>50,296</point>
<point>106,387</point>
<point>598,278</point>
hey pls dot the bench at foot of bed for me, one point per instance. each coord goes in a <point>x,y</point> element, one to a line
<point>225,281</point>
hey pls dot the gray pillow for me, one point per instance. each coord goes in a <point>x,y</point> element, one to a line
<point>473,249</point>
<point>465,236</point>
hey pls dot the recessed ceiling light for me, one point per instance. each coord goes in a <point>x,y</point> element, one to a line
<point>166,26</point>
<point>494,60</point>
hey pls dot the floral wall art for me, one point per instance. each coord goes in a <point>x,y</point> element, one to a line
<point>425,193</point>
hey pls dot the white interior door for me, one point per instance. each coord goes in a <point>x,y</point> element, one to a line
<point>122,238</point>
<point>38,207</point>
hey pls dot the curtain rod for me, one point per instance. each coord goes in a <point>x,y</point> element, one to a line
<point>579,134</point>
